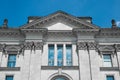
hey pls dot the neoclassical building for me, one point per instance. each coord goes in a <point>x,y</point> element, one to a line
<point>59,47</point>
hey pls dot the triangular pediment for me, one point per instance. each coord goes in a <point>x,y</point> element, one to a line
<point>59,26</point>
<point>59,18</point>
<point>106,48</point>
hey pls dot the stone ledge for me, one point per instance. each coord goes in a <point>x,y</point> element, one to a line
<point>9,69</point>
<point>109,69</point>
<point>62,67</point>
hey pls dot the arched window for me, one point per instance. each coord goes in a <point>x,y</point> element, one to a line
<point>60,77</point>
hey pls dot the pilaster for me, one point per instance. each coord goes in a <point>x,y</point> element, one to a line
<point>85,59</point>
<point>55,56</point>
<point>33,53</point>
<point>64,54</point>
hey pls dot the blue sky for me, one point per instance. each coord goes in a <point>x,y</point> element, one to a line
<point>102,11</point>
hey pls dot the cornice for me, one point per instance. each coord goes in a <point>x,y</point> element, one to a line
<point>10,32</point>
<point>59,16</point>
<point>108,32</point>
<point>87,31</point>
<point>43,30</point>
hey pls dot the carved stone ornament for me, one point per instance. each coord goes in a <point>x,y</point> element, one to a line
<point>8,49</point>
<point>92,45</point>
<point>86,45</point>
<point>33,45</point>
<point>81,46</point>
<point>104,48</point>
<point>117,46</point>
<point>38,45</point>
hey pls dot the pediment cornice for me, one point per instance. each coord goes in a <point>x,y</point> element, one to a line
<point>42,30</point>
<point>59,17</point>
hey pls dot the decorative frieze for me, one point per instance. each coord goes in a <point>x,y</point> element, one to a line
<point>8,49</point>
<point>86,45</point>
<point>117,46</point>
<point>104,48</point>
<point>101,49</point>
<point>33,45</point>
<point>19,49</point>
<point>92,45</point>
<point>10,32</point>
<point>38,45</point>
<point>81,45</point>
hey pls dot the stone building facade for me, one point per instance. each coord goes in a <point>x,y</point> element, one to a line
<point>59,47</point>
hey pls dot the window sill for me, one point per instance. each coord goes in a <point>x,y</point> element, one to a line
<point>9,68</point>
<point>109,69</point>
<point>57,67</point>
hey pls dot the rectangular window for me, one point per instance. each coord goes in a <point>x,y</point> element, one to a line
<point>110,78</point>
<point>68,55</point>
<point>11,60</point>
<point>9,78</point>
<point>60,55</point>
<point>51,55</point>
<point>107,60</point>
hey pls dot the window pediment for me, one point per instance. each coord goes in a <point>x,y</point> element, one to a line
<point>107,48</point>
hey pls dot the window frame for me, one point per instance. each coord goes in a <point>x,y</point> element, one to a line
<point>53,54</point>
<point>11,53</point>
<point>62,55</point>
<point>64,58</point>
<point>9,76</point>
<point>110,76</point>
<point>107,53</point>
<point>71,54</point>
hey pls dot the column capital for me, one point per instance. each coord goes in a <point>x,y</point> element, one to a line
<point>81,45</point>
<point>33,45</point>
<point>86,45</point>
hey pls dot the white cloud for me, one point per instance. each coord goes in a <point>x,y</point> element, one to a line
<point>118,23</point>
